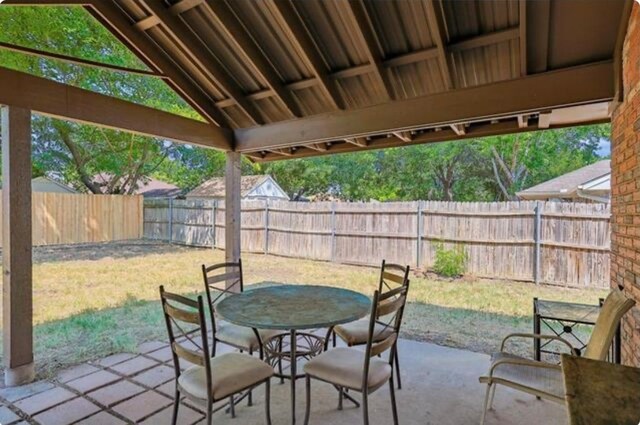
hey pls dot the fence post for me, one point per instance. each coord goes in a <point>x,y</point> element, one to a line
<point>419,235</point>
<point>170,220</point>
<point>266,226</point>
<point>333,231</point>
<point>537,230</point>
<point>214,207</point>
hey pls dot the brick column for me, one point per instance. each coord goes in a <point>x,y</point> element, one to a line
<point>625,190</point>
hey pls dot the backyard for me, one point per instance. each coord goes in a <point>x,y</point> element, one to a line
<point>93,300</point>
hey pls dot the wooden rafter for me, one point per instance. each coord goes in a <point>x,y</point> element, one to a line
<point>522,29</point>
<point>299,36</point>
<point>59,100</point>
<point>113,18</point>
<point>523,121</point>
<point>405,136</point>
<point>199,53</point>
<point>538,43</point>
<point>459,129</point>
<point>437,26</point>
<point>580,85</point>
<point>487,39</point>
<point>357,141</point>
<point>358,14</point>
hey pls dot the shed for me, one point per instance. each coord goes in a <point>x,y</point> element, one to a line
<point>45,184</point>
<point>251,187</point>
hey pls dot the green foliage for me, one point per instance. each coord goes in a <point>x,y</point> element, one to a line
<point>450,262</point>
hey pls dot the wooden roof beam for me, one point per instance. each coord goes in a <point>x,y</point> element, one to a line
<point>299,36</point>
<point>580,85</point>
<point>62,101</point>
<point>358,14</point>
<point>228,22</point>
<point>435,18</point>
<point>522,29</point>
<point>113,18</point>
<point>201,56</point>
<point>488,39</point>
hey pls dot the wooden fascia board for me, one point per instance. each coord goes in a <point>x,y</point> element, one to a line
<point>580,85</point>
<point>72,103</point>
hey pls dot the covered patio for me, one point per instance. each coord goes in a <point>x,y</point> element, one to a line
<point>279,80</point>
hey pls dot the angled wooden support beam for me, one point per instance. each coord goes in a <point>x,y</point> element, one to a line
<point>437,27</point>
<point>523,121</point>
<point>580,85</point>
<point>114,19</point>
<point>358,13</point>
<point>67,102</point>
<point>487,39</point>
<point>320,147</point>
<point>297,33</point>
<point>199,53</point>
<point>458,129</point>
<point>227,21</point>
<point>405,136</point>
<point>17,299</point>
<point>357,141</point>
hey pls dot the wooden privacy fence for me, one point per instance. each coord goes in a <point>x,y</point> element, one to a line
<point>73,218</point>
<point>544,242</point>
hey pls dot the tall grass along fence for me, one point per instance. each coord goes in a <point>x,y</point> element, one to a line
<point>563,244</point>
<point>69,219</point>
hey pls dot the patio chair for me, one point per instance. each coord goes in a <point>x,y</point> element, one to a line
<point>544,380</point>
<point>349,368</point>
<point>208,379</point>
<point>356,333</point>
<point>242,338</point>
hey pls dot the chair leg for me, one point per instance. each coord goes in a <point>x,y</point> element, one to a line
<point>267,401</point>
<point>176,405</point>
<point>340,397</point>
<point>334,339</point>
<point>365,407</point>
<point>394,408</point>
<point>213,347</point>
<point>397,362</point>
<point>307,412</point>
<point>493,393</point>
<point>232,407</point>
<point>280,361</point>
<point>250,396</point>
<point>209,412</point>
<point>486,403</point>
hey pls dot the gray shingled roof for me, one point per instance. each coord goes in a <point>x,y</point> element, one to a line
<point>567,184</point>
<point>214,188</point>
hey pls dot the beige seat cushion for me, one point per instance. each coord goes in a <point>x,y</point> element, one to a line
<point>230,373</point>
<point>242,337</point>
<point>345,367</point>
<point>356,333</point>
<point>542,379</point>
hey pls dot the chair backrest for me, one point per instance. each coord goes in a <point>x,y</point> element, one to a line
<point>389,305</point>
<point>220,280</point>
<point>187,329</point>
<point>392,276</point>
<point>615,306</point>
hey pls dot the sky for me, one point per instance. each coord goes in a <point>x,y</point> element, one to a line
<point>604,148</point>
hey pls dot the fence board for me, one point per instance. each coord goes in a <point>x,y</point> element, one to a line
<point>499,237</point>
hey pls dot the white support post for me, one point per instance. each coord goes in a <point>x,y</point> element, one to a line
<point>16,250</point>
<point>232,206</point>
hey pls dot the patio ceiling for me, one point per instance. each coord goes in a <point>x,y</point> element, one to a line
<point>306,78</point>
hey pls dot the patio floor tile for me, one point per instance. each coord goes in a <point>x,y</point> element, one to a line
<point>150,346</point>
<point>17,393</point>
<point>115,393</point>
<point>134,366</point>
<point>93,381</point>
<point>75,372</point>
<point>163,355</point>
<point>186,416</point>
<point>44,400</point>
<point>7,416</point>
<point>115,359</point>
<point>169,388</point>
<point>156,376</point>
<point>68,412</point>
<point>142,405</point>
<point>102,418</point>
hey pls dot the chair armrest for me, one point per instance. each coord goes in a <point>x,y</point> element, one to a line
<point>574,351</point>
<point>523,362</point>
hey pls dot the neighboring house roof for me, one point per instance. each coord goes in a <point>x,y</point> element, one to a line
<point>595,177</point>
<point>260,186</point>
<point>147,186</point>
<point>45,184</point>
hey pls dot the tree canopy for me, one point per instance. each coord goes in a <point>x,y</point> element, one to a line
<point>493,168</point>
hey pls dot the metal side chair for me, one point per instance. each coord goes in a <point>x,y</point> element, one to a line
<point>356,333</point>
<point>544,380</point>
<point>362,371</point>
<point>209,379</point>
<point>240,337</point>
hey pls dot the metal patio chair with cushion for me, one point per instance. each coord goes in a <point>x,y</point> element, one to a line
<point>208,379</point>
<point>349,368</point>
<point>242,338</point>
<point>544,380</point>
<point>356,333</point>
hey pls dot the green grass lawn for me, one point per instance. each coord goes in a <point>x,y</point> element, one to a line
<point>91,301</point>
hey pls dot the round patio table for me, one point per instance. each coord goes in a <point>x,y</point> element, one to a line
<point>292,308</point>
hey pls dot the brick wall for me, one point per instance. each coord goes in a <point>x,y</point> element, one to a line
<point>625,186</point>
